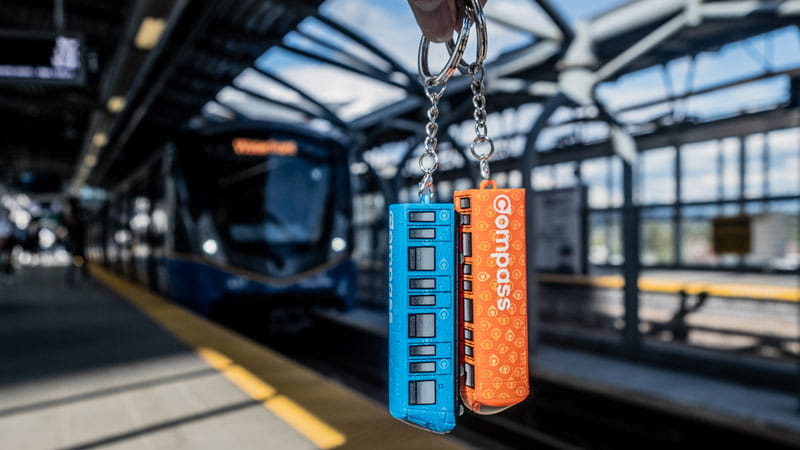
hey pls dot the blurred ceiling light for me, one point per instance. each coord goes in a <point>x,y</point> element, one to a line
<point>100,139</point>
<point>116,104</point>
<point>149,32</point>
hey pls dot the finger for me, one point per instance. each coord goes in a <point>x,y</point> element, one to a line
<point>436,18</point>
<point>460,12</point>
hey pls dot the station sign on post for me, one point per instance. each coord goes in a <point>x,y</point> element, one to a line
<point>732,235</point>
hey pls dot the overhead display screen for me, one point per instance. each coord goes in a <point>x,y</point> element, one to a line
<point>40,57</point>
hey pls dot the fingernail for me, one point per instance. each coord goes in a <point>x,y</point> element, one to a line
<point>426,5</point>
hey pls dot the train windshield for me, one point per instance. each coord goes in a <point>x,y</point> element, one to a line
<point>281,200</point>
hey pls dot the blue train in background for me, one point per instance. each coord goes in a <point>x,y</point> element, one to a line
<point>422,319</point>
<point>248,212</point>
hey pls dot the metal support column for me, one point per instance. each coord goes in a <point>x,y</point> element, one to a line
<point>677,218</point>
<point>630,232</point>
<point>742,186</point>
<point>529,161</point>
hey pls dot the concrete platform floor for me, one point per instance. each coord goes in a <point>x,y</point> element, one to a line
<point>82,368</point>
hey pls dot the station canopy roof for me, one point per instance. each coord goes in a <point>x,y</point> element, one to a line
<point>148,68</point>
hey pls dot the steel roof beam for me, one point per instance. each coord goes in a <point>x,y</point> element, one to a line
<point>379,76</point>
<point>366,43</point>
<point>287,105</point>
<point>356,61</point>
<point>328,113</point>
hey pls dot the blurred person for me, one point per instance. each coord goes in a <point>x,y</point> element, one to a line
<point>7,243</point>
<point>438,19</point>
<point>30,241</point>
<point>75,242</point>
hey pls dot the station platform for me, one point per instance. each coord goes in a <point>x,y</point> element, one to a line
<point>109,365</point>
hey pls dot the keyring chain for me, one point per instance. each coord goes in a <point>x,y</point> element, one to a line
<point>478,88</point>
<point>429,161</point>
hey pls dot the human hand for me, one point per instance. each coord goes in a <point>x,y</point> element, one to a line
<point>438,18</point>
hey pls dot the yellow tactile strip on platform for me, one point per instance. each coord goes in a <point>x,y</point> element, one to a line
<point>650,284</point>
<point>327,414</point>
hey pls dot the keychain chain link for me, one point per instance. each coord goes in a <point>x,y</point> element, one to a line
<point>478,89</point>
<point>429,161</point>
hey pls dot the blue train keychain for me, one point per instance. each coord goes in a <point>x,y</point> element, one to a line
<point>423,371</point>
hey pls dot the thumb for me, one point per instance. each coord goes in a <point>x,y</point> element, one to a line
<point>436,18</point>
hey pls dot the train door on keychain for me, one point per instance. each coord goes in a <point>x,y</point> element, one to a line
<point>493,300</point>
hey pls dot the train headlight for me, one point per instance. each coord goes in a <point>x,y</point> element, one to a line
<point>338,244</point>
<point>210,247</point>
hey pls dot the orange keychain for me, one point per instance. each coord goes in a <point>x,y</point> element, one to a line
<point>492,279</point>
<point>492,289</point>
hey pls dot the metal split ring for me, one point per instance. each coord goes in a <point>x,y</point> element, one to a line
<point>449,69</point>
<point>473,11</point>
<point>434,162</point>
<point>481,140</point>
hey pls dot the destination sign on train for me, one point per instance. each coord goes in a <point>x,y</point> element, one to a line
<point>40,57</point>
<point>261,147</point>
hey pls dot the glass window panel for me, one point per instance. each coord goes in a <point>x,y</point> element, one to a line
<point>784,162</point>
<point>605,238</point>
<point>615,180</point>
<point>543,178</point>
<point>657,245</point>
<point>564,175</point>
<point>696,245</point>
<point>730,167</point>
<point>776,236</point>
<point>594,174</point>
<point>657,176</point>
<point>699,175</point>
<point>754,166</point>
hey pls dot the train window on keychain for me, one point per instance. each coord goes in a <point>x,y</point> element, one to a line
<point>422,367</point>
<point>422,300</point>
<point>466,244</point>
<point>422,350</point>
<point>422,283</point>
<point>422,233</point>
<point>469,370</point>
<point>422,216</point>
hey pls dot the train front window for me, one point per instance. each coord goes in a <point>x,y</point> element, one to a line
<point>279,201</point>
